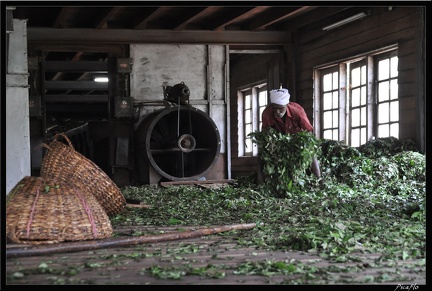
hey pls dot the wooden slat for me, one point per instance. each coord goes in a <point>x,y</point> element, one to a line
<point>127,36</point>
<point>174,183</point>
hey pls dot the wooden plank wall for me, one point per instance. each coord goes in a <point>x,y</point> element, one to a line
<point>246,70</point>
<point>383,27</point>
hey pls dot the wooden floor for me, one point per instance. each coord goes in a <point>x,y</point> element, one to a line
<point>207,260</point>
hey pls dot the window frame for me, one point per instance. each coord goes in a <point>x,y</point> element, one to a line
<point>377,59</point>
<point>362,87</point>
<point>344,69</point>
<point>255,119</point>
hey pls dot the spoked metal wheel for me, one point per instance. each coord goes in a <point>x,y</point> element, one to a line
<point>181,142</point>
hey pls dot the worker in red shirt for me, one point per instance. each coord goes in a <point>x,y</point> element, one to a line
<point>288,118</point>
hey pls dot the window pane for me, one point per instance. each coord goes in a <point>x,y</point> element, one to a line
<point>383,91</point>
<point>335,80</point>
<point>355,75</point>
<point>393,89</point>
<point>248,145</point>
<point>383,69</point>
<point>355,99</point>
<point>363,116</point>
<point>327,119</point>
<point>248,129</point>
<point>327,134</point>
<point>248,102</point>
<point>248,114</point>
<point>355,141</point>
<point>327,82</point>
<point>383,130</point>
<point>263,98</point>
<point>335,118</point>
<point>262,103</point>
<point>335,134</point>
<point>394,67</point>
<point>363,135</point>
<point>327,101</point>
<point>335,99</point>
<point>394,130</point>
<point>383,113</point>
<point>355,117</point>
<point>363,95</point>
<point>363,75</point>
<point>394,111</point>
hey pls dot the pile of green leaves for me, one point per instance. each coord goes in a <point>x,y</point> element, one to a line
<point>386,146</point>
<point>377,161</point>
<point>286,158</point>
<point>362,203</point>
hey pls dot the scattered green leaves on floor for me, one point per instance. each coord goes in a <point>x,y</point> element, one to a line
<point>370,199</point>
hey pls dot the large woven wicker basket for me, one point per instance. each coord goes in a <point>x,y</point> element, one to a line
<point>63,163</point>
<point>44,211</point>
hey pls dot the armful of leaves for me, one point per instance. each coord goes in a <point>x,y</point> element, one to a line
<point>286,157</point>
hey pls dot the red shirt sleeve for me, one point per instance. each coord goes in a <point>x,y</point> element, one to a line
<point>267,118</point>
<point>299,118</point>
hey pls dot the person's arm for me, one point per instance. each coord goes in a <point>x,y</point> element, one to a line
<point>266,118</point>
<point>304,122</point>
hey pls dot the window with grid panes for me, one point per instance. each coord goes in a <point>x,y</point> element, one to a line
<point>359,98</point>
<point>262,103</point>
<point>357,103</point>
<point>248,126</point>
<point>330,105</point>
<point>252,103</point>
<point>387,101</point>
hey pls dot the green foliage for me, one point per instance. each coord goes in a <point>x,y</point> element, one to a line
<point>366,203</point>
<point>386,146</point>
<point>286,159</point>
<point>333,157</point>
<point>411,165</point>
<point>379,161</point>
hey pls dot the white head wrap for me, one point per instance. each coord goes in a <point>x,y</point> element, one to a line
<point>279,96</point>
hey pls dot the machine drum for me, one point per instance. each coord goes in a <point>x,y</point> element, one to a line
<point>180,143</point>
<point>186,143</point>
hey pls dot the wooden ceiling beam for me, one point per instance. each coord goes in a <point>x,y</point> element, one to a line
<point>126,36</point>
<point>275,15</point>
<point>241,14</point>
<point>204,11</point>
